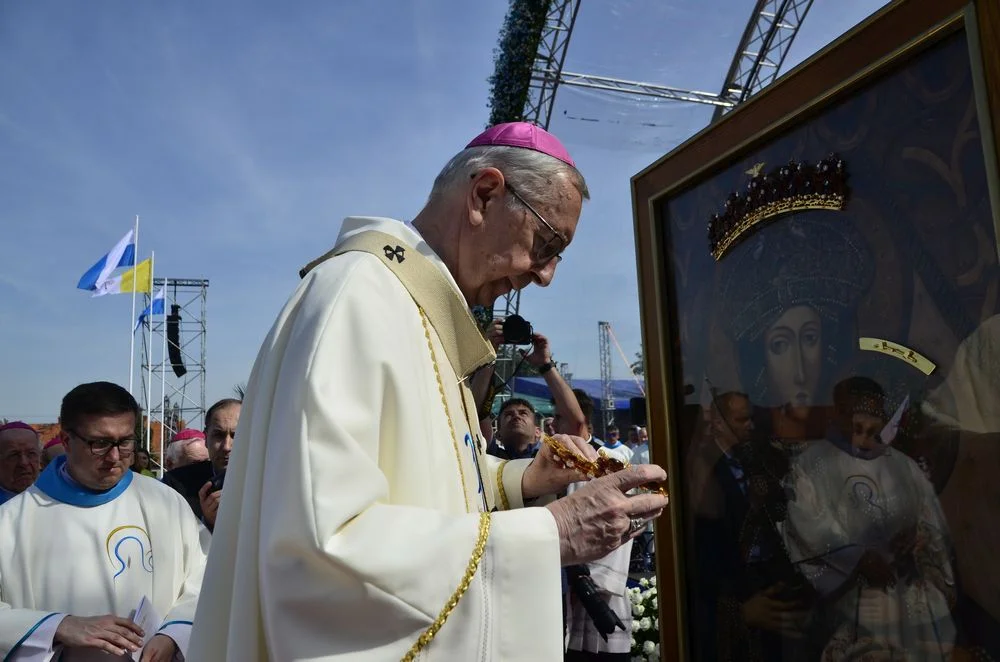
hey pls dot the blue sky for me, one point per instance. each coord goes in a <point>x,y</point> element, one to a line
<point>243,132</point>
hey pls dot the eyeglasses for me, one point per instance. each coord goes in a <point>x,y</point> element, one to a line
<point>553,248</point>
<point>101,447</point>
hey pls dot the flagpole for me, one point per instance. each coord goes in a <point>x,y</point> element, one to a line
<point>149,363</point>
<point>163,382</point>
<point>131,321</point>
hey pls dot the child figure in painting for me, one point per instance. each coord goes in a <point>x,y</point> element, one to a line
<point>866,529</point>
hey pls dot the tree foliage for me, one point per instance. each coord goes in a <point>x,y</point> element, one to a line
<point>639,365</point>
<point>513,59</point>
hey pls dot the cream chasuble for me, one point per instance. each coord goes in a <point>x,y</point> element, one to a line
<point>355,522</point>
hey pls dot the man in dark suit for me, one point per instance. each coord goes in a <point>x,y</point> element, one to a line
<point>744,612</point>
<point>201,482</point>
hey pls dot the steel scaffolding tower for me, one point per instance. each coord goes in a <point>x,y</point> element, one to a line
<point>168,399</point>
<point>545,78</point>
<point>546,72</point>
<point>607,386</point>
<point>762,50</point>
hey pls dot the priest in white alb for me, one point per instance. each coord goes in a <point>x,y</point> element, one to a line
<point>98,562</point>
<point>362,519</point>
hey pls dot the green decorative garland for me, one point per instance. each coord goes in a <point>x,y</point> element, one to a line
<point>514,58</point>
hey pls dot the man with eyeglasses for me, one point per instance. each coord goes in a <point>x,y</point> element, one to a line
<point>132,545</point>
<point>362,516</point>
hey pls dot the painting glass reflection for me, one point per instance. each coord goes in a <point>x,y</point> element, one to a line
<point>840,431</point>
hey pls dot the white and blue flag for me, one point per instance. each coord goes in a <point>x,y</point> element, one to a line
<point>122,255</point>
<point>155,307</point>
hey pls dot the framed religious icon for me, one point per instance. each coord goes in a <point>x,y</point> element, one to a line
<point>820,294</point>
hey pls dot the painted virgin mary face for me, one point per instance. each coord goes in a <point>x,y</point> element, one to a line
<point>793,347</point>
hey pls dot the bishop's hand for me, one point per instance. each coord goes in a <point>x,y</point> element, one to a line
<point>599,517</point>
<point>548,474</point>
<point>109,633</point>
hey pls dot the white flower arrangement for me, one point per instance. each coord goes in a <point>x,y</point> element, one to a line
<point>645,623</point>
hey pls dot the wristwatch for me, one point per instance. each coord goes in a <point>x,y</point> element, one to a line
<point>545,367</point>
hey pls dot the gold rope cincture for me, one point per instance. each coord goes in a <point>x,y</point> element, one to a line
<point>484,521</point>
<point>451,426</point>
<point>504,503</point>
<point>447,410</point>
<point>461,355</point>
<point>470,572</point>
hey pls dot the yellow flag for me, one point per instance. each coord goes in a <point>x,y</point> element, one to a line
<point>139,278</point>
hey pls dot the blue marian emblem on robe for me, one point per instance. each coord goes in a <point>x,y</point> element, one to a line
<point>129,547</point>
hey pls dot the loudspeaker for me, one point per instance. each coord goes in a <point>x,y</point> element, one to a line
<point>637,411</point>
<point>174,341</point>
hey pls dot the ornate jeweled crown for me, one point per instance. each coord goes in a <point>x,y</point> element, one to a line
<point>789,188</point>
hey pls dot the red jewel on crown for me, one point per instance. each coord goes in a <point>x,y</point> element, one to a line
<point>784,190</point>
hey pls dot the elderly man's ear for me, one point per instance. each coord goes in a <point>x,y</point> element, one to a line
<point>487,190</point>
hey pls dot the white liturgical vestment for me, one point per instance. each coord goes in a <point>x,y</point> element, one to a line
<point>361,518</point>
<point>65,550</point>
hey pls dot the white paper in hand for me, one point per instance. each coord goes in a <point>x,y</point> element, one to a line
<point>146,618</point>
<point>888,434</point>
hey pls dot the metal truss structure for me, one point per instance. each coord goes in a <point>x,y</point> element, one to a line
<point>762,50</point>
<point>642,89</point>
<point>607,385</point>
<point>181,400</point>
<point>545,79</point>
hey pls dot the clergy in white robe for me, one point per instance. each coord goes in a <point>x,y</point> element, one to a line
<point>361,518</point>
<point>92,538</point>
<point>866,529</point>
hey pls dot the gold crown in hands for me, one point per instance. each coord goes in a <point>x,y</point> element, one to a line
<point>604,465</point>
<point>790,188</point>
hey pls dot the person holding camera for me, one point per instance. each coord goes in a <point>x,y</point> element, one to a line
<point>201,482</point>
<point>519,437</point>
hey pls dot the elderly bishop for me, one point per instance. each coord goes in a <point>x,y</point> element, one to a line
<point>362,519</point>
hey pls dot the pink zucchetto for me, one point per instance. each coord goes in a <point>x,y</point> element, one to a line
<point>17,425</point>
<point>54,441</point>
<point>188,434</point>
<point>523,134</point>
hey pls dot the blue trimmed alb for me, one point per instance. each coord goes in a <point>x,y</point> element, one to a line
<point>55,483</point>
<point>10,655</point>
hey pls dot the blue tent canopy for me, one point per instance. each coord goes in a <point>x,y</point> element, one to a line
<point>623,389</point>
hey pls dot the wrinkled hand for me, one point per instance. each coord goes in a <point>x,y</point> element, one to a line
<point>548,475</point>
<point>209,503</point>
<point>596,519</point>
<point>540,353</point>
<point>766,612</point>
<point>494,333</point>
<point>160,648</point>
<point>108,633</point>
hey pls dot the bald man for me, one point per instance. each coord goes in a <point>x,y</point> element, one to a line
<point>20,459</point>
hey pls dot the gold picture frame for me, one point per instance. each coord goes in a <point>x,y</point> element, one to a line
<point>884,42</point>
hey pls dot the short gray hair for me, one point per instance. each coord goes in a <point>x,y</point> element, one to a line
<point>528,171</point>
<point>172,456</point>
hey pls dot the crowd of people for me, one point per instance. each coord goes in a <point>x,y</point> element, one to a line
<point>359,516</point>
